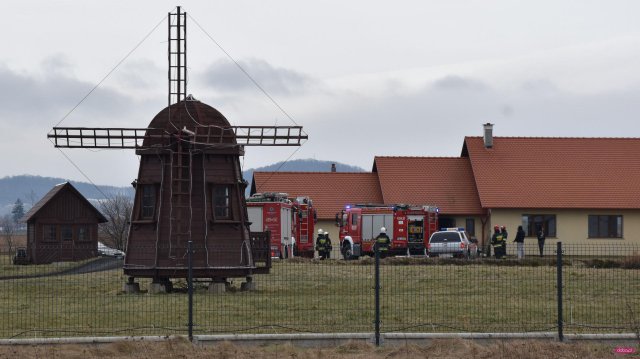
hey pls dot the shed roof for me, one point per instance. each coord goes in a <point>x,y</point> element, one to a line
<point>553,172</point>
<point>446,182</point>
<point>53,193</point>
<point>330,191</point>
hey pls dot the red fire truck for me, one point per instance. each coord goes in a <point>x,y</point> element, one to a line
<point>290,221</point>
<point>408,227</point>
<point>304,221</point>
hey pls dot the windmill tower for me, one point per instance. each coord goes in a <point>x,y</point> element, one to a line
<point>189,185</point>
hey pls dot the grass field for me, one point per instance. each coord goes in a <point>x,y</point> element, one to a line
<point>333,296</point>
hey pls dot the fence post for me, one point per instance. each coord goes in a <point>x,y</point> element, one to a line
<point>559,289</point>
<point>377,294</point>
<point>190,288</point>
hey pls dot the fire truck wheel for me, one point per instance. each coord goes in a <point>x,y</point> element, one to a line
<point>347,251</point>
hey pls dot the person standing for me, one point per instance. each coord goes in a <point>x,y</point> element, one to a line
<point>541,238</point>
<point>503,230</point>
<point>520,242</point>
<point>497,242</point>
<point>382,243</point>
<point>323,245</point>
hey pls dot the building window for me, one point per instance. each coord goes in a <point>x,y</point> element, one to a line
<point>83,233</point>
<point>66,232</point>
<point>470,226</point>
<point>31,232</point>
<point>531,223</point>
<point>49,233</point>
<point>604,226</point>
<point>148,201</point>
<point>221,202</point>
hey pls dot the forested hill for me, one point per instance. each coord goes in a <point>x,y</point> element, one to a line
<point>305,165</point>
<point>30,189</point>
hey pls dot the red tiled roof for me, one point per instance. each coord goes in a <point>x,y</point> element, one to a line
<point>446,182</point>
<point>532,172</point>
<point>330,191</point>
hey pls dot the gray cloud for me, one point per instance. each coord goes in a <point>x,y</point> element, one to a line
<point>225,76</point>
<point>458,83</point>
<point>31,100</point>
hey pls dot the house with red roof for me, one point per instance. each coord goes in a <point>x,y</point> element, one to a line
<point>580,190</point>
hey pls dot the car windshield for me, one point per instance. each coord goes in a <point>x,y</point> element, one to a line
<point>445,237</point>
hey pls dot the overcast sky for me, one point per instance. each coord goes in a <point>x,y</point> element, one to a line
<point>364,78</point>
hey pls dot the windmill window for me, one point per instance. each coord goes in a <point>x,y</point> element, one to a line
<point>148,205</point>
<point>221,202</point>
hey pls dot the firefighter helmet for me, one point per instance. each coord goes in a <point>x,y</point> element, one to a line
<point>383,230</point>
<point>502,228</point>
<point>496,227</point>
<point>320,231</point>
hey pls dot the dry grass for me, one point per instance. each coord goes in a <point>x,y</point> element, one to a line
<point>355,350</point>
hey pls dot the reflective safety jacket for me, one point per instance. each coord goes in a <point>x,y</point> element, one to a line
<point>383,242</point>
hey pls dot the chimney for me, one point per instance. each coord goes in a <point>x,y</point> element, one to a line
<point>488,135</point>
<point>333,167</point>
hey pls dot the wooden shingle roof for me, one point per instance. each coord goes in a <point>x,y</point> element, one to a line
<point>330,191</point>
<point>57,189</point>
<point>534,172</point>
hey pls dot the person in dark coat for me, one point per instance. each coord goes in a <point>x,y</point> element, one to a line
<point>497,242</point>
<point>541,239</point>
<point>520,242</point>
<point>323,245</point>
<point>503,230</point>
<point>382,243</point>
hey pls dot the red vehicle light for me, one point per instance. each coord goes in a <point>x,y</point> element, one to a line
<point>428,245</point>
<point>462,245</point>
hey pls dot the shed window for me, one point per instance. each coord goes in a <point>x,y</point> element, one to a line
<point>66,232</point>
<point>83,233</point>
<point>49,233</point>
<point>605,226</point>
<point>221,202</point>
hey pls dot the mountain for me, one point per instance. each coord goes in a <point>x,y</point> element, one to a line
<point>30,189</point>
<point>304,165</point>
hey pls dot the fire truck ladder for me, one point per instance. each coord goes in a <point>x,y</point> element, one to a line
<point>177,56</point>
<point>304,226</point>
<point>181,188</point>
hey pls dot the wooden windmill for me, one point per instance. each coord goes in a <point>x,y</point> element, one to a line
<point>189,185</point>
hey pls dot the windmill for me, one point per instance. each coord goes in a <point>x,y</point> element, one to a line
<point>189,185</point>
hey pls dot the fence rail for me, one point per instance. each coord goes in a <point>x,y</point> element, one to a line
<point>600,293</point>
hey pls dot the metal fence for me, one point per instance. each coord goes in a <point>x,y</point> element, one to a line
<point>599,293</point>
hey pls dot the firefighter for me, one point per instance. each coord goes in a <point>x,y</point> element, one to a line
<point>382,243</point>
<point>323,245</point>
<point>497,241</point>
<point>503,230</point>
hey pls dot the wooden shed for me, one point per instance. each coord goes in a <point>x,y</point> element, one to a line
<point>62,226</point>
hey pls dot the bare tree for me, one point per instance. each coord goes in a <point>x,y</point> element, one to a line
<point>117,210</point>
<point>8,226</point>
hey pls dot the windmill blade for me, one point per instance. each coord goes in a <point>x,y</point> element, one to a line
<point>208,136</point>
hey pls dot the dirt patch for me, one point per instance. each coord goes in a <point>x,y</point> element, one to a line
<point>180,348</point>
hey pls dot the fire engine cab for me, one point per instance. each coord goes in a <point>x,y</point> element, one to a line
<point>290,222</point>
<point>408,227</point>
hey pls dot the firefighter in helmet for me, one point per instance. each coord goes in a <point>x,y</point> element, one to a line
<point>498,242</point>
<point>382,243</point>
<point>323,245</point>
